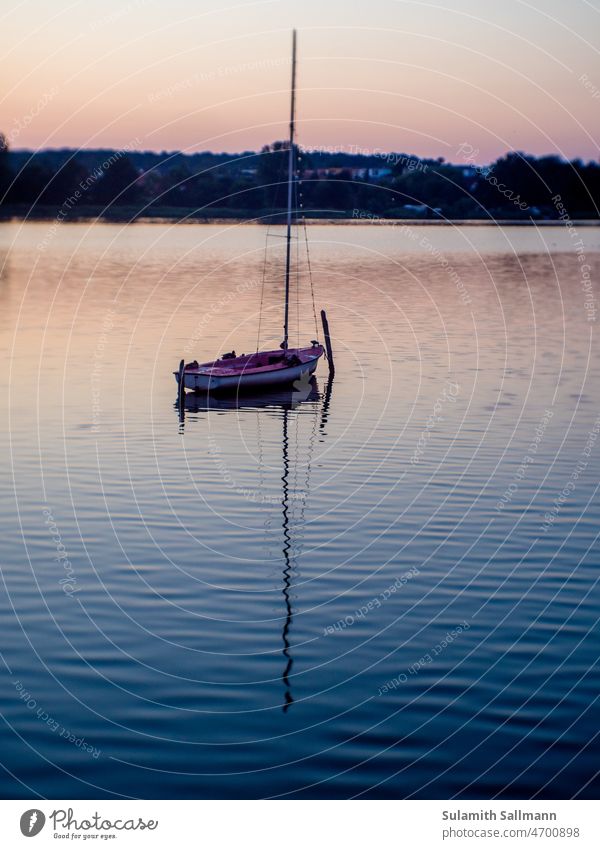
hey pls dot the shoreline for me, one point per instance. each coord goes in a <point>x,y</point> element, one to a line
<point>187,217</point>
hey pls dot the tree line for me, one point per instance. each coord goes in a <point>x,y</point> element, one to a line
<point>76,183</point>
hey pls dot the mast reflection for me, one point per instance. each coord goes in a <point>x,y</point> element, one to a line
<point>287,571</point>
<point>282,403</point>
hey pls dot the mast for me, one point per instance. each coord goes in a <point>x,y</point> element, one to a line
<point>290,196</point>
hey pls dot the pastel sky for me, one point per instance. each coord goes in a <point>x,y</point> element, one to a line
<point>392,75</point>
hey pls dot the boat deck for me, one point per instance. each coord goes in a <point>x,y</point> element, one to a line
<point>257,363</point>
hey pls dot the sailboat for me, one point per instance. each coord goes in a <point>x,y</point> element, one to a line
<point>283,366</point>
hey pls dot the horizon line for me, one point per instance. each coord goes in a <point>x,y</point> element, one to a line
<point>330,150</point>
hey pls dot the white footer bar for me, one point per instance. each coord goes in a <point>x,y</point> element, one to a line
<point>301,824</point>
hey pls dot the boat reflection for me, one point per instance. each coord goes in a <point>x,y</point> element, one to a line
<point>285,404</point>
<point>288,398</point>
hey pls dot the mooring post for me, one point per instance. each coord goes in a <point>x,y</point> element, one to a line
<point>181,385</point>
<point>327,342</point>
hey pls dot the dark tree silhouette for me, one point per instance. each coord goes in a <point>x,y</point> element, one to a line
<point>517,185</point>
<point>64,184</point>
<point>4,165</point>
<point>117,183</point>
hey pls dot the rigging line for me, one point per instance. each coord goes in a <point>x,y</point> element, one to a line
<point>268,234</point>
<point>310,276</point>
<point>297,279</point>
<point>290,194</point>
<point>262,293</point>
<point>298,216</point>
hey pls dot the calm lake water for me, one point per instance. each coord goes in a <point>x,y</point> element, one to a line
<point>386,586</point>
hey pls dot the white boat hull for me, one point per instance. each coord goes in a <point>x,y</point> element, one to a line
<point>207,381</point>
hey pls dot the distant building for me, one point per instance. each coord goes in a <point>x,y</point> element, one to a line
<point>325,173</point>
<point>378,173</point>
<point>369,173</point>
<point>353,173</point>
<point>419,208</point>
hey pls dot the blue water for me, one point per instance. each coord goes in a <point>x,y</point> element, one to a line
<point>370,587</point>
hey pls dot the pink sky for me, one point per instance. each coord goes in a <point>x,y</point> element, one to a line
<point>417,77</point>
